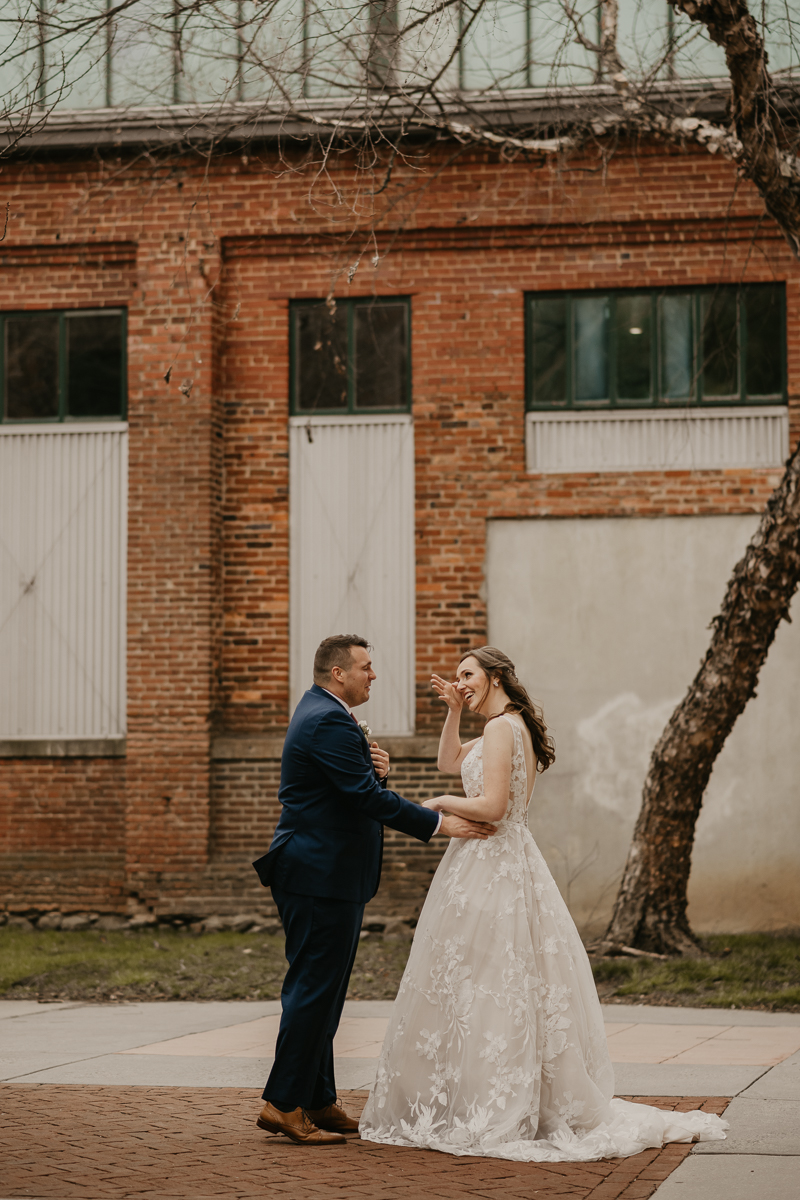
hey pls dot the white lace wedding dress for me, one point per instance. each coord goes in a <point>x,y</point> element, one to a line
<point>496,1043</point>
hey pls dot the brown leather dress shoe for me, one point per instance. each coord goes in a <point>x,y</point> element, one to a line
<point>297,1126</point>
<point>334,1119</point>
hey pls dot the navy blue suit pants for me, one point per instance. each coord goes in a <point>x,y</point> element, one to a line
<point>321,943</point>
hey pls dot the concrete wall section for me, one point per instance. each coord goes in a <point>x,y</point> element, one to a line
<point>607,620</point>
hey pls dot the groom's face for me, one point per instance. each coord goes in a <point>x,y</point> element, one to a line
<point>356,680</point>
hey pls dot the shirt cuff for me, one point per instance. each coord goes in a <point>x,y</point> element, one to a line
<point>438,825</point>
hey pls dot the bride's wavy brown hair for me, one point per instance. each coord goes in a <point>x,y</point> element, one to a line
<point>499,666</point>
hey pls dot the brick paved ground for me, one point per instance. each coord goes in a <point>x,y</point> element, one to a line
<point>108,1143</point>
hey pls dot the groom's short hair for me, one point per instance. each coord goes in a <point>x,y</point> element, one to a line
<point>335,652</point>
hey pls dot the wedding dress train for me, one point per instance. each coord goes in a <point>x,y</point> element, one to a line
<point>496,1044</point>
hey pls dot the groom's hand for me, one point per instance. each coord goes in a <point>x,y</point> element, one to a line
<point>459,827</point>
<point>380,760</point>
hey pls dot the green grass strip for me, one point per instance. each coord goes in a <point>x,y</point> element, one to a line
<point>760,971</point>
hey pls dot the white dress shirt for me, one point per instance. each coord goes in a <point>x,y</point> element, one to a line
<point>344,705</point>
<point>349,710</point>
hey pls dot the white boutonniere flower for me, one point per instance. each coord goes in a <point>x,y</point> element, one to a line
<point>365,729</point>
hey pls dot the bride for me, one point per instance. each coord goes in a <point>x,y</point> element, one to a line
<point>496,1044</point>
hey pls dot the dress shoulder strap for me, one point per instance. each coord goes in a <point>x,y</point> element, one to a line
<point>514,724</point>
<point>519,761</point>
<point>519,744</point>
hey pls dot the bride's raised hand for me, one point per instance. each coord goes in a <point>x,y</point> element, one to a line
<point>447,692</point>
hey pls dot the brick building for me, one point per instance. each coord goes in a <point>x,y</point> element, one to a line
<point>571,347</point>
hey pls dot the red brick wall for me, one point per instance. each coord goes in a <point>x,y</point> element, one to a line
<point>62,827</point>
<point>207,263</point>
<point>173,555</point>
<point>244,809</point>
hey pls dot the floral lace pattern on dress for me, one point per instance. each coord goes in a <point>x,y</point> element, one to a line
<point>496,1045</point>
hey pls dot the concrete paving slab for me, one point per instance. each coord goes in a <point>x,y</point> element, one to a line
<point>737,1177</point>
<point>760,1127</point>
<point>150,1070</point>
<point>632,1079</point>
<point>357,1037</point>
<point>22,1008</point>
<point>642,1014</point>
<point>368,1008</point>
<point>154,1071</point>
<point>16,1062</point>
<point>355,1074</point>
<point>702,1045</point>
<point>85,1043</point>
<point>361,1036</point>
<point>781,1083</point>
<point>742,1046</point>
<point>92,1029</point>
<point>652,1043</point>
<point>673,1079</point>
<point>635,1014</point>
<point>250,1039</point>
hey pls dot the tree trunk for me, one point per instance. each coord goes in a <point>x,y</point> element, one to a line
<point>754,114</point>
<point>650,909</point>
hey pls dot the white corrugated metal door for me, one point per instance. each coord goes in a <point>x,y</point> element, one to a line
<point>352,552</point>
<point>63,524</point>
<point>691,439</point>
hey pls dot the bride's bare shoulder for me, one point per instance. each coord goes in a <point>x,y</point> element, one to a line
<point>498,735</point>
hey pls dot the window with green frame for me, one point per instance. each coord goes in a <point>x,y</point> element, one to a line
<point>62,366</point>
<point>659,347</point>
<point>351,357</point>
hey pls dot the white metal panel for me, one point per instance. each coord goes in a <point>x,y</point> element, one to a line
<point>643,440</point>
<point>63,546</point>
<point>352,552</point>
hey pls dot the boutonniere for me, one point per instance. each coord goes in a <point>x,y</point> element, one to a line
<point>365,729</point>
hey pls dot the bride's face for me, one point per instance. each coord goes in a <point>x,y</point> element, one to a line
<point>472,682</point>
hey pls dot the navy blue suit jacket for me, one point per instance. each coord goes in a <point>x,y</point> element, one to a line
<point>329,839</point>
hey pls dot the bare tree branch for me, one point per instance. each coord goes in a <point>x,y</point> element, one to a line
<point>765,156</point>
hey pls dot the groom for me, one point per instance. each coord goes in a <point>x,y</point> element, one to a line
<point>324,864</point>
